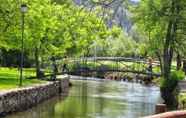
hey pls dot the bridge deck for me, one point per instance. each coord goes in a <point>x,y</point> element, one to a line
<point>115,70</point>
<point>128,68</point>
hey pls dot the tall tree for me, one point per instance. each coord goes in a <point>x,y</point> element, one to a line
<point>160,21</point>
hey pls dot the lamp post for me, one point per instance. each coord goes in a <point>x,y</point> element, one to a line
<point>23,9</point>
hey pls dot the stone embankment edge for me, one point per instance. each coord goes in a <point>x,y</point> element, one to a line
<point>21,99</point>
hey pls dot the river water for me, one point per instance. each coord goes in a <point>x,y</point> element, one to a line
<point>98,99</point>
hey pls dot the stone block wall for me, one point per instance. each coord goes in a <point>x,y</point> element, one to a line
<point>19,100</point>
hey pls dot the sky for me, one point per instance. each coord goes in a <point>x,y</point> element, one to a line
<point>135,0</point>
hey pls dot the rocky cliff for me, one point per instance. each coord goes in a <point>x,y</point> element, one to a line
<point>114,12</point>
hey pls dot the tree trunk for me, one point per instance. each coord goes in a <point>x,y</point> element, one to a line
<point>160,60</point>
<point>184,66</point>
<point>167,91</point>
<point>168,53</point>
<point>179,62</point>
<point>37,63</point>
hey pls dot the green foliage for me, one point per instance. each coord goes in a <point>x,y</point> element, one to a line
<point>150,25</point>
<point>160,21</point>
<point>52,29</point>
<point>123,46</point>
<point>169,84</point>
<point>182,99</point>
<point>118,44</point>
<point>172,83</point>
<point>178,75</point>
<point>152,18</point>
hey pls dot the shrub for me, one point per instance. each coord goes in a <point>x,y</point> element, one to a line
<point>173,81</point>
<point>178,75</point>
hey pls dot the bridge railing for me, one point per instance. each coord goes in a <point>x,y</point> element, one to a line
<point>138,66</point>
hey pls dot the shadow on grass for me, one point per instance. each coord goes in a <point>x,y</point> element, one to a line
<point>9,78</point>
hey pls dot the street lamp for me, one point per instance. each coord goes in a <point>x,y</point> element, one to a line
<point>23,9</point>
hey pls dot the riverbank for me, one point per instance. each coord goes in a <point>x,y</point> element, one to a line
<point>9,78</point>
<point>24,98</point>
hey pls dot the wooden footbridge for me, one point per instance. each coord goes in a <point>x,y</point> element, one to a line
<point>113,64</point>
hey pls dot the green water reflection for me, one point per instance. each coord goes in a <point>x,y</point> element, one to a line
<point>98,99</point>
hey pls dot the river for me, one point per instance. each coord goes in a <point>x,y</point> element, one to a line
<point>98,99</point>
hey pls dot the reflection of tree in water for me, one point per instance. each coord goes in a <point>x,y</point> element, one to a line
<point>101,101</point>
<point>76,104</point>
<point>84,98</point>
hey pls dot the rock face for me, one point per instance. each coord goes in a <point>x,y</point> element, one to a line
<point>22,99</point>
<point>116,13</point>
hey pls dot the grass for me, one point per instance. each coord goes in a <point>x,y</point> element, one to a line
<point>9,78</point>
<point>182,100</point>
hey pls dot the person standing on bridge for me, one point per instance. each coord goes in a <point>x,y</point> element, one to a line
<point>64,68</point>
<point>150,61</point>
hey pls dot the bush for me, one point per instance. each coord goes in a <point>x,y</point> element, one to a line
<point>178,75</point>
<point>169,91</point>
<point>172,83</point>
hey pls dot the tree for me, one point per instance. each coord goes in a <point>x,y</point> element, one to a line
<point>50,29</point>
<point>160,21</point>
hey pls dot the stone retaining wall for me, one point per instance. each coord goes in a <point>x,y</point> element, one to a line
<point>25,98</point>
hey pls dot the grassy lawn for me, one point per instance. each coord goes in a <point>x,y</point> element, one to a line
<point>9,78</point>
<point>182,100</point>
